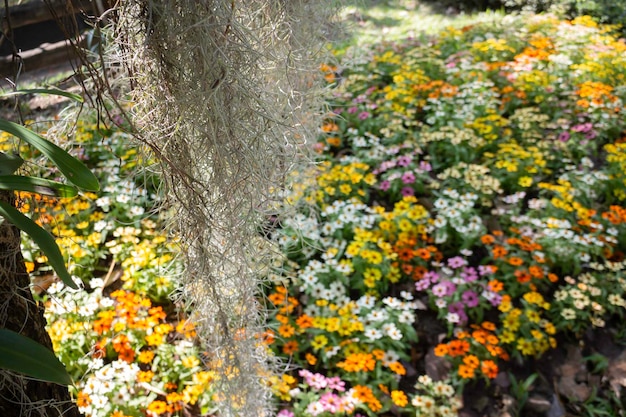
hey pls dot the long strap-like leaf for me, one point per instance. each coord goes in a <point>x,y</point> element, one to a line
<point>21,354</point>
<point>74,170</point>
<point>50,91</point>
<point>42,238</point>
<point>36,185</point>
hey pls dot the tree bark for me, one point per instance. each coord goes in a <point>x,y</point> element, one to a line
<point>20,395</point>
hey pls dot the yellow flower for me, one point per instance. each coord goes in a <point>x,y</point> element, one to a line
<point>525,181</point>
<point>399,398</point>
<point>319,342</point>
<point>190,362</point>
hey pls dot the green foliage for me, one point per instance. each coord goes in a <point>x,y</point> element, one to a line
<point>23,355</point>
<point>18,353</point>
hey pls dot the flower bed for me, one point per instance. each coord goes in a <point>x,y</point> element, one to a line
<point>468,204</point>
<point>130,350</point>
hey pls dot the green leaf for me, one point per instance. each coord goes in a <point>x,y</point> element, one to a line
<point>50,91</point>
<point>36,185</point>
<point>9,163</point>
<point>21,354</point>
<point>75,171</point>
<point>42,238</point>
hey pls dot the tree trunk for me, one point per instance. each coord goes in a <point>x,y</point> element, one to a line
<point>20,395</point>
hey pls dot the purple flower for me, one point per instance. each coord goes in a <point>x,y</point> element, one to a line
<point>408,177</point>
<point>352,110</point>
<point>564,136</point>
<point>469,274</point>
<point>484,270</point>
<point>470,298</point>
<point>422,284</point>
<point>407,192</point>
<point>432,276</point>
<point>459,309</point>
<point>583,127</point>
<point>405,160</point>
<point>384,185</point>
<point>456,262</point>
<point>285,413</point>
<point>591,134</point>
<point>425,166</point>
<point>496,300</point>
<point>364,115</point>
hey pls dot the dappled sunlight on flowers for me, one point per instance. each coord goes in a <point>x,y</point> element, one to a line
<point>475,178</point>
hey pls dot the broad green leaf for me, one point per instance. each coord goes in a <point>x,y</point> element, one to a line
<point>50,91</point>
<point>42,238</point>
<point>36,185</point>
<point>75,171</point>
<point>9,163</point>
<point>21,354</point>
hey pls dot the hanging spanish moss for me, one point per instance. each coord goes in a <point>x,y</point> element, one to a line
<point>224,94</point>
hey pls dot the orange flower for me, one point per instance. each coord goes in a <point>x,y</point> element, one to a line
<point>290,347</point>
<point>158,407</point>
<point>379,354</point>
<point>499,251</point>
<point>419,272</point>
<point>487,239</point>
<point>441,350</point>
<point>82,399</point>
<point>311,359</point>
<point>145,356</point>
<point>145,376</point>
<point>405,254</point>
<point>357,362</point>
<point>495,285</point>
<point>365,394</point>
<point>458,347</point>
<point>466,372</point>
<point>487,325</point>
<point>536,271</point>
<point>492,339</point>
<point>471,361</point>
<point>553,277</point>
<point>515,261</point>
<point>304,321</point>
<point>480,336</point>
<point>489,369</point>
<point>522,276</point>
<point>423,253</point>
<point>397,368</point>
<point>286,330</point>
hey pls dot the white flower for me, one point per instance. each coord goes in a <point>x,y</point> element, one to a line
<point>406,317</point>
<point>373,334</point>
<point>377,315</point>
<point>366,301</point>
<point>315,408</point>
<point>453,317</point>
<point>406,295</point>
<point>390,357</point>
<point>392,302</point>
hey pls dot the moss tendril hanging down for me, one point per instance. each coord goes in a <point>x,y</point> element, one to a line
<point>225,94</point>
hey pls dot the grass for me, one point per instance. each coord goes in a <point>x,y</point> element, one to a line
<point>369,21</point>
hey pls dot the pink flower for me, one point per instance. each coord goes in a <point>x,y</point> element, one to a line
<point>408,177</point>
<point>407,192</point>
<point>384,185</point>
